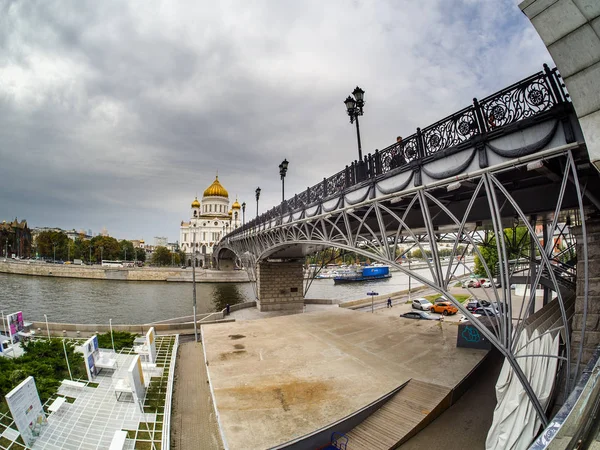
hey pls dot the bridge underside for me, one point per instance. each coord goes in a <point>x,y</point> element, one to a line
<point>516,196</point>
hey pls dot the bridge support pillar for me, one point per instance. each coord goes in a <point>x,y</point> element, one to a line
<point>280,286</point>
<point>591,340</point>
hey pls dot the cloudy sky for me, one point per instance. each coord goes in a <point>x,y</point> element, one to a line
<point>116,113</point>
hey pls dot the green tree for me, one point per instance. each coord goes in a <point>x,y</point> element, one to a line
<point>127,253</point>
<point>417,253</point>
<point>161,256</point>
<point>105,247</point>
<point>49,241</point>
<point>516,241</point>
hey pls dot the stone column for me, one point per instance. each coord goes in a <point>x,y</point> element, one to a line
<point>591,340</point>
<point>280,286</point>
<point>570,30</point>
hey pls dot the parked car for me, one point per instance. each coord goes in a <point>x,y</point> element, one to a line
<point>487,311</point>
<point>420,315</point>
<point>473,304</point>
<point>441,299</point>
<point>444,308</point>
<point>488,284</point>
<point>422,304</point>
<point>471,284</point>
<point>466,319</point>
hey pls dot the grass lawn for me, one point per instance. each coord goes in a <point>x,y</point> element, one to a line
<point>460,297</point>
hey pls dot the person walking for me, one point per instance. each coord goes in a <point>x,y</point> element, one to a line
<point>389,302</point>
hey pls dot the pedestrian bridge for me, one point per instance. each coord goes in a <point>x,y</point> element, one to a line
<point>506,178</point>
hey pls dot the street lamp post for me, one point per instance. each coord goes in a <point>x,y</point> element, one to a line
<point>354,107</point>
<point>257,192</point>
<point>112,339</point>
<point>194,284</point>
<point>90,261</point>
<point>47,327</point>
<point>243,213</point>
<point>54,248</point>
<point>101,254</point>
<point>283,167</point>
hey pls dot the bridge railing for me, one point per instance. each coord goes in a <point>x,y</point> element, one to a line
<point>530,97</point>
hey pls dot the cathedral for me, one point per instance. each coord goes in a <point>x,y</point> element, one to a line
<point>209,221</point>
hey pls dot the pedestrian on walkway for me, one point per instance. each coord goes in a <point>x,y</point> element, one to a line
<point>389,302</point>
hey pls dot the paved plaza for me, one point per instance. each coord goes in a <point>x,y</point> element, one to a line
<point>281,378</point>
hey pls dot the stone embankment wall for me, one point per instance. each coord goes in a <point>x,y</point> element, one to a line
<point>124,274</point>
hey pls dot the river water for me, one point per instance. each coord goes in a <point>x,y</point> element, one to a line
<point>69,300</point>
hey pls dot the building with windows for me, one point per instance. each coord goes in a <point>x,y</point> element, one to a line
<point>15,239</point>
<point>210,219</point>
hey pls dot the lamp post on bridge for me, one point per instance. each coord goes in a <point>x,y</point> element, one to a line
<point>354,107</point>
<point>243,213</point>
<point>257,192</point>
<point>283,167</point>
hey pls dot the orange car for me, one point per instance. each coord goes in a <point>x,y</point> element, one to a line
<point>445,308</point>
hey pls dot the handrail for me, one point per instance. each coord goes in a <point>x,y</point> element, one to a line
<point>534,95</point>
<point>166,436</point>
<point>574,420</point>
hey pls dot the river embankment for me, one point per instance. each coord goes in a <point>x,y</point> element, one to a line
<point>97,272</point>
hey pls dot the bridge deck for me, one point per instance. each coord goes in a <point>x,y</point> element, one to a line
<point>280,378</point>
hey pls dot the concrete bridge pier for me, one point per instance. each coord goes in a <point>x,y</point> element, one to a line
<point>280,286</point>
<point>588,318</point>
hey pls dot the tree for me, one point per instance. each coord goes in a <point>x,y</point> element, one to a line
<point>105,247</point>
<point>419,254</point>
<point>49,241</point>
<point>127,253</point>
<point>161,256</point>
<point>516,241</point>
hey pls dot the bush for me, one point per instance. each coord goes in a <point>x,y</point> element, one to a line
<point>122,339</point>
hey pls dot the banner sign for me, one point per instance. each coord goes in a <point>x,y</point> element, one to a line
<point>90,355</point>
<point>26,409</point>
<point>15,324</point>
<point>151,344</point>
<point>136,380</point>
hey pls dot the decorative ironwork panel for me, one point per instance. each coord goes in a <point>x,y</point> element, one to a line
<point>316,192</point>
<point>302,199</point>
<point>521,101</point>
<point>336,183</point>
<point>399,154</point>
<point>449,132</point>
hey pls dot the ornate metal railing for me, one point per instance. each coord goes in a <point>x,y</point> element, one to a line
<point>530,97</point>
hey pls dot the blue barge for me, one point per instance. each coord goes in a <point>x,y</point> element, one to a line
<point>368,273</point>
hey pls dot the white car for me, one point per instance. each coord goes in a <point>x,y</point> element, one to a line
<point>466,319</point>
<point>488,284</point>
<point>421,303</point>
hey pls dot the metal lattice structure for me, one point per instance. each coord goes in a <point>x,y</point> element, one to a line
<point>534,189</point>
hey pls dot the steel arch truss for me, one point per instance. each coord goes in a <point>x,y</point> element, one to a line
<point>378,228</point>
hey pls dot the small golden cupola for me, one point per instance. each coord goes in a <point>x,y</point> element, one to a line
<point>216,190</point>
<point>196,203</point>
<point>236,205</point>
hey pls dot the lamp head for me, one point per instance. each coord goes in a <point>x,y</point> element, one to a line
<point>350,104</point>
<point>358,95</point>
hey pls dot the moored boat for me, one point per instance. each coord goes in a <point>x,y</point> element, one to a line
<point>367,273</point>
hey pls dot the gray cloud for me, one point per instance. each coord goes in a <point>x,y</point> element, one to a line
<point>117,113</point>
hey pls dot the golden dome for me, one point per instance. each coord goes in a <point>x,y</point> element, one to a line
<point>236,205</point>
<point>196,203</point>
<point>230,212</point>
<point>216,190</point>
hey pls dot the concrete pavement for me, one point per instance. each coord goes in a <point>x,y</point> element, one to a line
<point>193,422</point>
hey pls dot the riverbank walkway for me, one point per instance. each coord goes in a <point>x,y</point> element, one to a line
<point>193,423</point>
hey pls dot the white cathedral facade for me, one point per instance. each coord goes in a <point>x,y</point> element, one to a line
<point>210,220</point>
